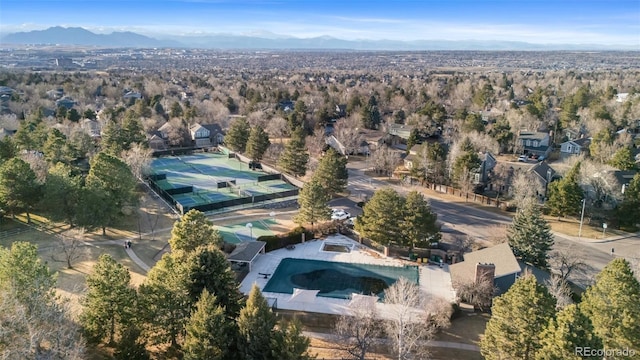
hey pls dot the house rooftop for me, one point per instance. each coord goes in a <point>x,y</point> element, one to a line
<point>624,177</point>
<point>532,135</point>
<point>542,170</point>
<point>499,255</point>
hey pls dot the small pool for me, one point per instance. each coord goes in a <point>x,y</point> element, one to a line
<point>335,279</point>
<point>341,248</point>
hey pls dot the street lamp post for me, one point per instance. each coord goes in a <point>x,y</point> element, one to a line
<point>584,202</point>
<point>250,227</point>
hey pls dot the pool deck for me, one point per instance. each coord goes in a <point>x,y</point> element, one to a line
<point>434,281</point>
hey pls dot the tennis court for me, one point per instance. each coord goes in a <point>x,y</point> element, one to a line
<point>237,233</point>
<point>336,279</point>
<point>211,181</point>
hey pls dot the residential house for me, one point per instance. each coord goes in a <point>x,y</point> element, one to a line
<point>575,133</point>
<point>488,163</point>
<point>624,178</point>
<point>413,158</point>
<point>497,261</point>
<point>333,142</point>
<point>542,174</point>
<point>534,143</point>
<point>5,90</point>
<point>286,105</point>
<point>6,132</point>
<point>66,102</point>
<point>341,110</point>
<point>156,142</point>
<point>216,135</point>
<point>611,186</point>
<point>165,130</point>
<point>200,135</point>
<point>55,94</point>
<point>129,94</point>
<point>574,147</point>
<point>398,134</point>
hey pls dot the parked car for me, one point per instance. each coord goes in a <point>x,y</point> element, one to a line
<point>340,215</point>
<point>522,158</point>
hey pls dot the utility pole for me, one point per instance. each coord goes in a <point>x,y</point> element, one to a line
<point>584,202</point>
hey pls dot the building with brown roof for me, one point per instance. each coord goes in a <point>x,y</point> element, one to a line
<point>500,258</point>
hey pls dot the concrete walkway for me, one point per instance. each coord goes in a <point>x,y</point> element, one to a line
<point>431,343</point>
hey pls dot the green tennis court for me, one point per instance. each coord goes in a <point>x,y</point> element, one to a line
<point>337,280</point>
<point>237,233</point>
<point>210,181</point>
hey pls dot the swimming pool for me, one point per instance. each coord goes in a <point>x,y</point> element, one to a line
<point>335,279</point>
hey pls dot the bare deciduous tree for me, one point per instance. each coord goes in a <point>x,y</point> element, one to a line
<point>564,263</point>
<point>38,164</point>
<point>524,190</point>
<point>477,293</point>
<point>138,158</point>
<point>412,318</point>
<point>560,290</point>
<point>348,134</point>
<point>360,330</point>
<point>69,248</point>
<point>385,160</point>
<point>42,331</point>
<point>277,127</point>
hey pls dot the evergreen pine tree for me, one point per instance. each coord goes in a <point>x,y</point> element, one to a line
<point>193,230</point>
<point>517,320</point>
<point>238,134</point>
<point>165,301</point>
<point>289,344</point>
<point>132,345</point>
<point>623,159</point>
<point>613,305</point>
<point>419,227</point>
<point>209,333</point>
<point>332,172</point>
<point>381,219</point>
<point>257,144</point>
<point>110,301</point>
<point>295,157</point>
<point>208,269</point>
<point>629,210</point>
<point>256,327</point>
<point>313,201</point>
<point>565,195</point>
<point>570,330</point>
<point>530,236</point>
<point>19,187</point>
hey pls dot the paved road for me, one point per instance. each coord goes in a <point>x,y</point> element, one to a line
<point>458,218</point>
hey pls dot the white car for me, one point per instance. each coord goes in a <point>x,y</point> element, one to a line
<point>339,215</point>
<point>523,158</point>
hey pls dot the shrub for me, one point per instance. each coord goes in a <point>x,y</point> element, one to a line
<point>292,237</point>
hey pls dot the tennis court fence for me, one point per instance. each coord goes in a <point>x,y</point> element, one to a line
<point>166,194</point>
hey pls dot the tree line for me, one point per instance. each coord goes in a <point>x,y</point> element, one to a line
<point>528,322</point>
<point>189,306</point>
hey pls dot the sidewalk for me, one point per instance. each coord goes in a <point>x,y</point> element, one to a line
<point>597,241</point>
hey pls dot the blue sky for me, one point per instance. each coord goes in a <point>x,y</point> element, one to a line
<point>538,21</point>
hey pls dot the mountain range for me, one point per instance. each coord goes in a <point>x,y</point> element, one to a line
<point>264,40</point>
